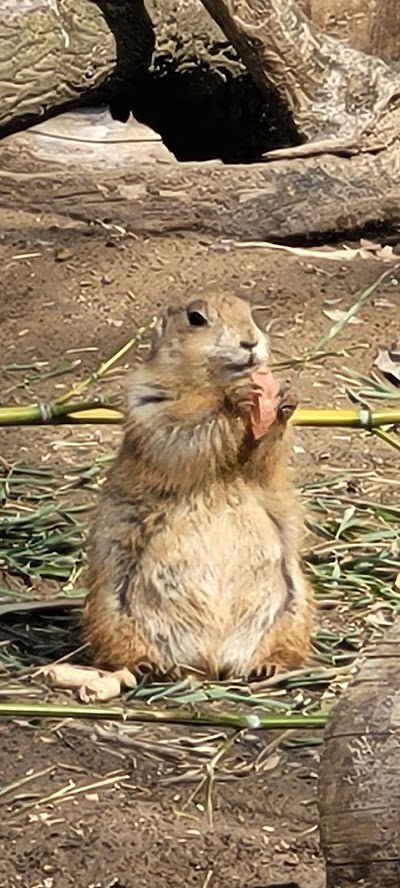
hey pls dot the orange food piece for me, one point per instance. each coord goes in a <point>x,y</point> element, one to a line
<point>265,406</point>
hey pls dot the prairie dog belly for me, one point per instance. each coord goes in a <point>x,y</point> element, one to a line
<point>213,582</point>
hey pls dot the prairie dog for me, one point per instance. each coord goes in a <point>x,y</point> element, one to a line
<point>194,551</point>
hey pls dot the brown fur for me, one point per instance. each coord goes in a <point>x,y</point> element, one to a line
<point>194,551</point>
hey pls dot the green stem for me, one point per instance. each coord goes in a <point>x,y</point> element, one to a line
<point>89,412</point>
<point>387,437</point>
<point>42,414</point>
<point>361,418</point>
<point>173,716</point>
<point>337,327</point>
<point>105,366</point>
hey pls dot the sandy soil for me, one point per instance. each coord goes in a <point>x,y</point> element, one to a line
<point>75,292</point>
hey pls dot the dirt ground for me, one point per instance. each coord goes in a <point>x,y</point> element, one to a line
<point>74,291</point>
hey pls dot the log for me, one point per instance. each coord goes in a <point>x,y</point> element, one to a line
<point>359,787</point>
<point>55,55</point>
<point>81,51</point>
<point>183,27</point>
<point>289,201</point>
<point>334,92</point>
<point>372,27</point>
<point>343,102</point>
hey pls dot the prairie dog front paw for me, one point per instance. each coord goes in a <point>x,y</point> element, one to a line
<point>287,402</point>
<point>242,394</point>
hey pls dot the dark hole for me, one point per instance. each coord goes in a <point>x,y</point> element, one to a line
<point>206,112</point>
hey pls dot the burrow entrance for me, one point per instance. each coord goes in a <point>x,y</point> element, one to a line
<point>204,113</point>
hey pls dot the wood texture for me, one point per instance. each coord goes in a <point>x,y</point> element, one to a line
<point>332,90</point>
<point>282,200</point>
<point>359,791</point>
<point>53,54</point>
<point>372,26</point>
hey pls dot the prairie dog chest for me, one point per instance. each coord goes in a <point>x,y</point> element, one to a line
<point>223,529</point>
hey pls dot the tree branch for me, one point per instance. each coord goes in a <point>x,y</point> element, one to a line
<point>359,791</point>
<point>297,200</point>
<point>54,54</point>
<point>332,90</point>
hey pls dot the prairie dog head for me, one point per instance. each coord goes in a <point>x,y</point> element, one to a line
<point>214,335</point>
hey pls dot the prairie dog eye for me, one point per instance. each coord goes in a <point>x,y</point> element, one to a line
<point>197,314</point>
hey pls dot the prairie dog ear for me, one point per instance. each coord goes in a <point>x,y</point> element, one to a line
<point>261,317</point>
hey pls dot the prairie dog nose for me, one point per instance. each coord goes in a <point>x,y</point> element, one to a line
<point>250,343</point>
